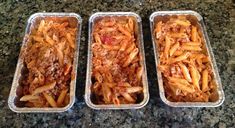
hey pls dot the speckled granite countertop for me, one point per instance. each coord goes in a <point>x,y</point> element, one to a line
<point>219,17</point>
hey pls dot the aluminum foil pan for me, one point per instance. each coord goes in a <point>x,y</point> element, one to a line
<point>88,94</point>
<point>13,101</point>
<point>197,19</point>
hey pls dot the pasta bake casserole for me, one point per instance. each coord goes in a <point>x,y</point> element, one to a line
<point>184,61</point>
<point>116,69</point>
<point>48,61</point>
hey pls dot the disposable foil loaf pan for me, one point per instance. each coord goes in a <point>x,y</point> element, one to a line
<point>197,20</point>
<point>13,101</point>
<point>138,33</point>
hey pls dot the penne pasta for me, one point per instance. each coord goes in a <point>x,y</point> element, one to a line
<point>205,80</point>
<point>61,97</point>
<point>126,27</point>
<point>98,77</point>
<point>67,99</point>
<point>131,24</point>
<point>178,80</point>
<point>167,47</point>
<point>174,48</point>
<point>116,100</point>
<point>41,26</point>
<point>122,30</point>
<point>49,40</point>
<point>131,57</point>
<point>67,69</point>
<point>29,97</point>
<point>183,87</point>
<point>108,29</point>
<point>182,57</point>
<point>182,22</point>
<point>70,40</point>
<point>158,29</point>
<point>140,72</point>
<point>194,34</point>
<point>178,52</point>
<point>185,72</point>
<point>111,47</point>
<point>128,97</point>
<point>37,38</point>
<point>97,38</point>
<point>50,100</point>
<point>178,35</point>
<point>193,43</point>
<point>195,76</point>
<point>106,93</point>
<point>125,84</point>
<point>60,54</point>
<point>130,48</point>
<point>162,68</point>
<point>44,88</point>
<point>46,28</point>
<point>133,89</point>
<point>197,56</point>
<point>123,45</point>
<point>191,48</point>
